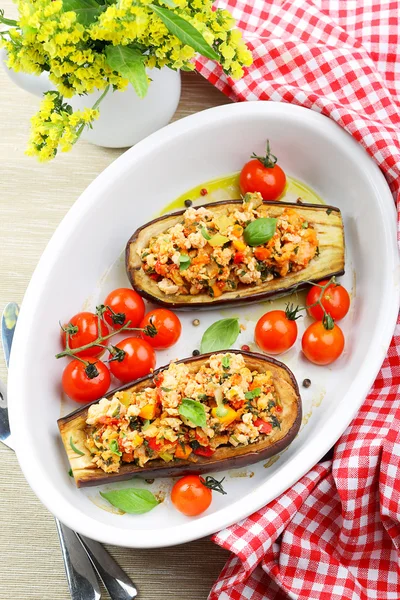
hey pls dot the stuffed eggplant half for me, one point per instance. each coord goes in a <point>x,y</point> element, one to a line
<point>201,414</point>
<point>234,252</point>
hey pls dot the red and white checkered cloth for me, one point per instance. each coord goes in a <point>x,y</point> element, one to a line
<point>336,534</point>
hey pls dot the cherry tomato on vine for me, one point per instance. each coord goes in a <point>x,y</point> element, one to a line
<point>134,358</point>
<point>262,174</point>
<point>190,496</point>
<point>276,331</point>
<point>320,345</point>
<point>83,329</point>
<point>335,300</point>
<point>84,382</point>
<point>168,328</point>
<point>126,305</point>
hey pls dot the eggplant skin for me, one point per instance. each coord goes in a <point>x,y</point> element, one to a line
<point>86,473</point>
<point>327,221</point>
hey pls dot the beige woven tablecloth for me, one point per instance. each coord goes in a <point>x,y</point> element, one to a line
<point>33,200</point>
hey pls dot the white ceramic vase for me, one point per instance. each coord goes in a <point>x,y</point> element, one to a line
<point>125,119</point>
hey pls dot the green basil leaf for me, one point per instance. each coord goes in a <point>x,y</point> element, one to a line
<point>74,448</point>
<point>220,335</point>
<point>87,11</point>
<point>70,473</point>
<point>184,262</point>
<point>194,411</point>
<point>253,393</point>
<point>114,447</point>
<point>164,389</point>
<point>259,231</point>
<point>304,225</point>
<point>226,361</point>
<point>185,32</point>
<point>205,233</point>
<point>134,501</point>
<point>169,3</point>
<point>129,63</point>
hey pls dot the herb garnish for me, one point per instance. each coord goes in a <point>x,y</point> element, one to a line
<point>193,411</point>
<point>220,335</point>
<point>74,448</point>
<point>132,500</point>
<point>184,262</point>
<point>250,395</point>
<point>114,448</point>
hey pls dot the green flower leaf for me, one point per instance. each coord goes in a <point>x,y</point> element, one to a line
<point>87,11</point>
<point>185,32</point>
<point>134,501</point>
<point>129,63</point>
<point>259,231</point>
<point>194,411</point>
<point>220,335</point>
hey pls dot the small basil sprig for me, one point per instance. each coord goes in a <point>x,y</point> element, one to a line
<point>193,411</point>
<point>184,262</point>
<point>134,501</point>
<point>260,231</point>
<point>220,335</point>
<point>250,395</point>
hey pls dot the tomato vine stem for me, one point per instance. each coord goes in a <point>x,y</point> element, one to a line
<point>149,330</point>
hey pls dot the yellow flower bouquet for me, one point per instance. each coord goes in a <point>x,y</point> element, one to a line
<point>90,45</point>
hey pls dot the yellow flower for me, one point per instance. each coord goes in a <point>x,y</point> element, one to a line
<point>51,39</point>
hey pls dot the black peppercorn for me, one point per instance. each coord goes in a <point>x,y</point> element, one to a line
<point>306,383</point>
<point>195,352</point>
<point>188,202</point>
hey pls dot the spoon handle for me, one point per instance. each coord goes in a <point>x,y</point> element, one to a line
<point>82,580</point>
<point>116,581</point>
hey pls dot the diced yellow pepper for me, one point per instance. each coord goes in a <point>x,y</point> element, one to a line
<point>148,412</point>
<point>218,240</point>
<point>239,245</point>
<point>125,398</point>
<point>137,440</point>
<point>229,417</point>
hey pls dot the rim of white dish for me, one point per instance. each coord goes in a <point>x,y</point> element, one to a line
<point>323,439</point>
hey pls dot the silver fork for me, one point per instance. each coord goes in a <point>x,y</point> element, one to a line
<point>83,558</point>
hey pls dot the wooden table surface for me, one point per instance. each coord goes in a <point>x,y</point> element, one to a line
<point>33,199</point>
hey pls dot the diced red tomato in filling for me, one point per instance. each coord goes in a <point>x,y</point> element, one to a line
<point>238,258</point>
<point>202,451</point>
<point>263,426</point>
<point>105,420</point>
<point>154,445</point>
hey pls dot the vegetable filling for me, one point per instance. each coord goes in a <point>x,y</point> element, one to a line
<point>185,414</point>
<point>213,254</point>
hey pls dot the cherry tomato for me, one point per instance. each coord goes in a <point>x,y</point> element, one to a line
<point>137,360</point>
<point>335,299</point>
<point>322,346</point>
<point>262,174</point>
<point>276,331</point>
<point>81,383</point>
<point>168,328</point>
<point>127,306</point>
<point>84,330</point>
<point>190,496</point>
